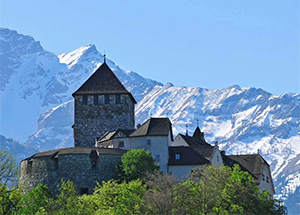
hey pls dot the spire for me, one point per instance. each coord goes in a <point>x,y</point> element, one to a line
<point>197,134</point>
<point>104,57</point>
<point>197,123</point>
<point>186,128</point>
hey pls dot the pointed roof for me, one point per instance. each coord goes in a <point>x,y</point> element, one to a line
<point>197,133</point>
<point>102,81</point>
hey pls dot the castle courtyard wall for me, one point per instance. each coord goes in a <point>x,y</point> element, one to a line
<point>77,168</point>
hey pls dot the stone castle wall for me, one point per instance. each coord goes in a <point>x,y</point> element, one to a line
<point>77,168</point>
<point>92,120</point>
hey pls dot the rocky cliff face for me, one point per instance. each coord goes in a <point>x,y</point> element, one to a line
<point>36,86</point>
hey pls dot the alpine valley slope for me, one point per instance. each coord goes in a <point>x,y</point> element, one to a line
<point>36,82</point>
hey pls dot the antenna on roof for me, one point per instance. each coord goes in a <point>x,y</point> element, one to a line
<point>104,56</point>
<point>186,128</point>
<point>257,151</point>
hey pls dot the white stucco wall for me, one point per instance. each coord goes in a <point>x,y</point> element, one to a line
<point>179,141</point>
<point>216,158</point>
<point>264,184</point>
<point>183,170</point>
<point>158,146</point>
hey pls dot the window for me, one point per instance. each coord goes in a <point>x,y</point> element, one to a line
<point>157,158</point>
<point>263,177</point>
<point>121,144</point>
<point>106,99</point>
<point>55,161</point>
<point>84,100</point>
<point>118,99</point>
<point>268,179</point>
<point>94,163</point>
<point>95,99</point>
<point>148,142</point>
<point>29,166</point>
<point>177,156</point>
<point>83,191</point>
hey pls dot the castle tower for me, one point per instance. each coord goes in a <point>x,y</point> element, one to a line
<point>101,104</point>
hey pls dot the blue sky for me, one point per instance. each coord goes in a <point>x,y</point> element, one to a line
<point>201,43</point>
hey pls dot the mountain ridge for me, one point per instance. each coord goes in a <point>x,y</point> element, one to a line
<point>242,120</point>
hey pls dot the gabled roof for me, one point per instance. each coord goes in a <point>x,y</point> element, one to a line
<point>114,134</point>
<point>188,156</point>
<point>231,162</point>
<point>191,141</point>
<point>253,163</point>
<point>102,81</point>
<point>204,150</point>
<point>154,127</point>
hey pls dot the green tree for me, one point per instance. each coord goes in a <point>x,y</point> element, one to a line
<point>116,198</point>
<point>67,201</point>
<point>136,164</point>
<point>34,201</point>
<point>9,193</point>
<point>8,168</point>
<point>223,191</point>
<point>159,196</point>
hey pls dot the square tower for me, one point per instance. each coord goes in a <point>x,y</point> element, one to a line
<point>101,104</point>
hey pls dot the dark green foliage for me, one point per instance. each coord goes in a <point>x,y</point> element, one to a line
<point>136,164</point>
<point>209,191</point>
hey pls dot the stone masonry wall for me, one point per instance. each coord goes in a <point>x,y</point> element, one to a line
<point>75,167</point>
<point>92,120</point>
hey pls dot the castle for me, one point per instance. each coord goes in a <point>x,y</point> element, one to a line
<point>104,129</point>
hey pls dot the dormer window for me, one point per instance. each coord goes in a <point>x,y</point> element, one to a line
<point>177,156</point>
<point>106,99</point>
<point>95,99</point>
<point>118,99</point>
<point>84,100</point>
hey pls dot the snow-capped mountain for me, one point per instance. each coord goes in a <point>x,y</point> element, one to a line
<point>34,80</point>
<point>18,149</point>
<point>35,95</point>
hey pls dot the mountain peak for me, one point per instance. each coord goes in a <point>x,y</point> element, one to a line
<point>83,53</point>
<point>12,41</point>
